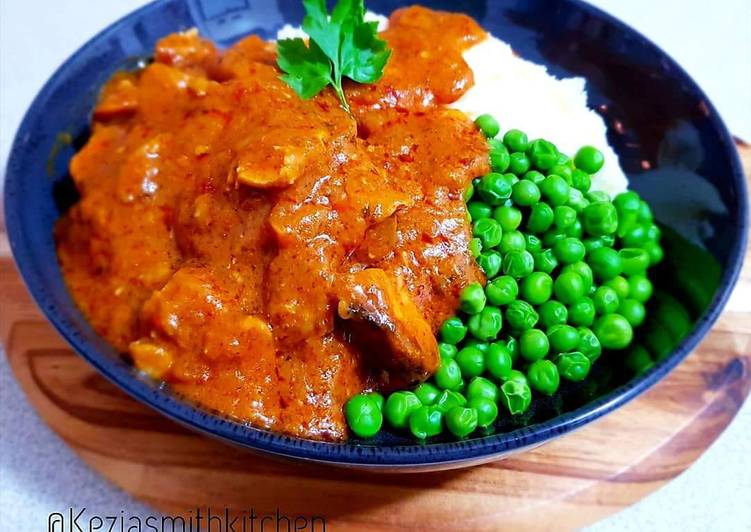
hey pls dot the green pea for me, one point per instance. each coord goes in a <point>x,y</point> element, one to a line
<point>490,262</point>
<point>568,287</point>
<point>551,237</point>
<point>573,366</point>
<point>519,163</point>
<point>521,316</point>
<point>488,125</point>
<point>545,261</point>
<point>516,395</point>
<point>516,140</point>
<point>543,154</point>
<point>552,313</point>
<point>363,416</point>
<point>472,298</point>
<point>639,288</point>
<point>582,312</point>
<point>447,350</point>
<point>427,393</point>
<point>605,262</point>
<point>518,264</point>
<point>606,300</point>
<point>639,360</point>
<point>512,241</point>
<point>532,243</point>
<point>673,317</point>
<point>453,331</point>
<point>487,410</point>
<point>488,231</point>
<point>645,213</point>
<point>508,217</point>
<point>513,348</point>
<point>589,159</point>
<point>478,210</point>
<point>474,342</point>
<point>634,261</point>
<point>494,188</point>
<point>486,325</point>
<point>659,342</point>
<point>655,252</point>
<point>399,406</point>
<point>563,170</point>
<point>576,200</point>
<point>448,376</point>
<point>461,422</point>
<point>475,247</point>
<point>564,217</point>
<point>536,177</point>
<point>533,344</point>
<point>499,156</point>
<point>502,290</point>
<point>600,218</point>
<point>540,218</point>
<point>498,360</point>
<point>525,193</point>
<point>482,387</point>
<point>653,233</point>
<point>448,399</point>
<point>377,398</point>
<point>633,311</point>
<point>426,422</point>
<point>537,288</point>
<point>468,193</point>
<point>581,180</point>
<point>575,230</point>
<point>620,285</point>
<point>635,236</point>
<point>589,344</point>
<point>627,204</point>
<point>471,361</point>
<point>613,331</point>
<point>555,189</point>
<point>543,377</point>
<point>592,243</point>
<point>516,375</point>
<point>584,271</point>
<point>563,338</point>
<point>569,250</point>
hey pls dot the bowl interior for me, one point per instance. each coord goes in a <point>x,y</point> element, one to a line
<point>670,141</point>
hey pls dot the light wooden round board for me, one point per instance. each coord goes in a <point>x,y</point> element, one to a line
<point>568,483</point>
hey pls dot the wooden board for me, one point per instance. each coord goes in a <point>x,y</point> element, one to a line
<point>568,483</point>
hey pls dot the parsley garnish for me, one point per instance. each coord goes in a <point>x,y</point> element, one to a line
<point>341,45</point>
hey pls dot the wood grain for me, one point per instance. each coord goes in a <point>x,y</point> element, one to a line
<point>568,483</point>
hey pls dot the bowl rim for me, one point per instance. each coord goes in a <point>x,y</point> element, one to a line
<point>440,455</point>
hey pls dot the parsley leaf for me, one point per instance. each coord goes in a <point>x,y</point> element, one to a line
<point>341,45</point>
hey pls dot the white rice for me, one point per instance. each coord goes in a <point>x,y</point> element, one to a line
<point>522,95</point>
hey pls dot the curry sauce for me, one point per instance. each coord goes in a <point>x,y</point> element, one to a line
<point>268,256</point>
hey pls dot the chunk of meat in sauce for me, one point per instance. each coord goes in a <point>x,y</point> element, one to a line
<point>426,67</point>
<point>196,334</point>
<point>384,321</point>
<point>223,220</point>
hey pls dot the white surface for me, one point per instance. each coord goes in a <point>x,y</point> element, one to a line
<point>39,474</point>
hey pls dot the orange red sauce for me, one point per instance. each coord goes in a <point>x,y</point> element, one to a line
<point>270,257</point>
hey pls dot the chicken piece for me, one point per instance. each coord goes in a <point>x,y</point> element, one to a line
<point>388,326</point>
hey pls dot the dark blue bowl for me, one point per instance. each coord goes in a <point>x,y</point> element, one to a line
<point>671,142</point>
